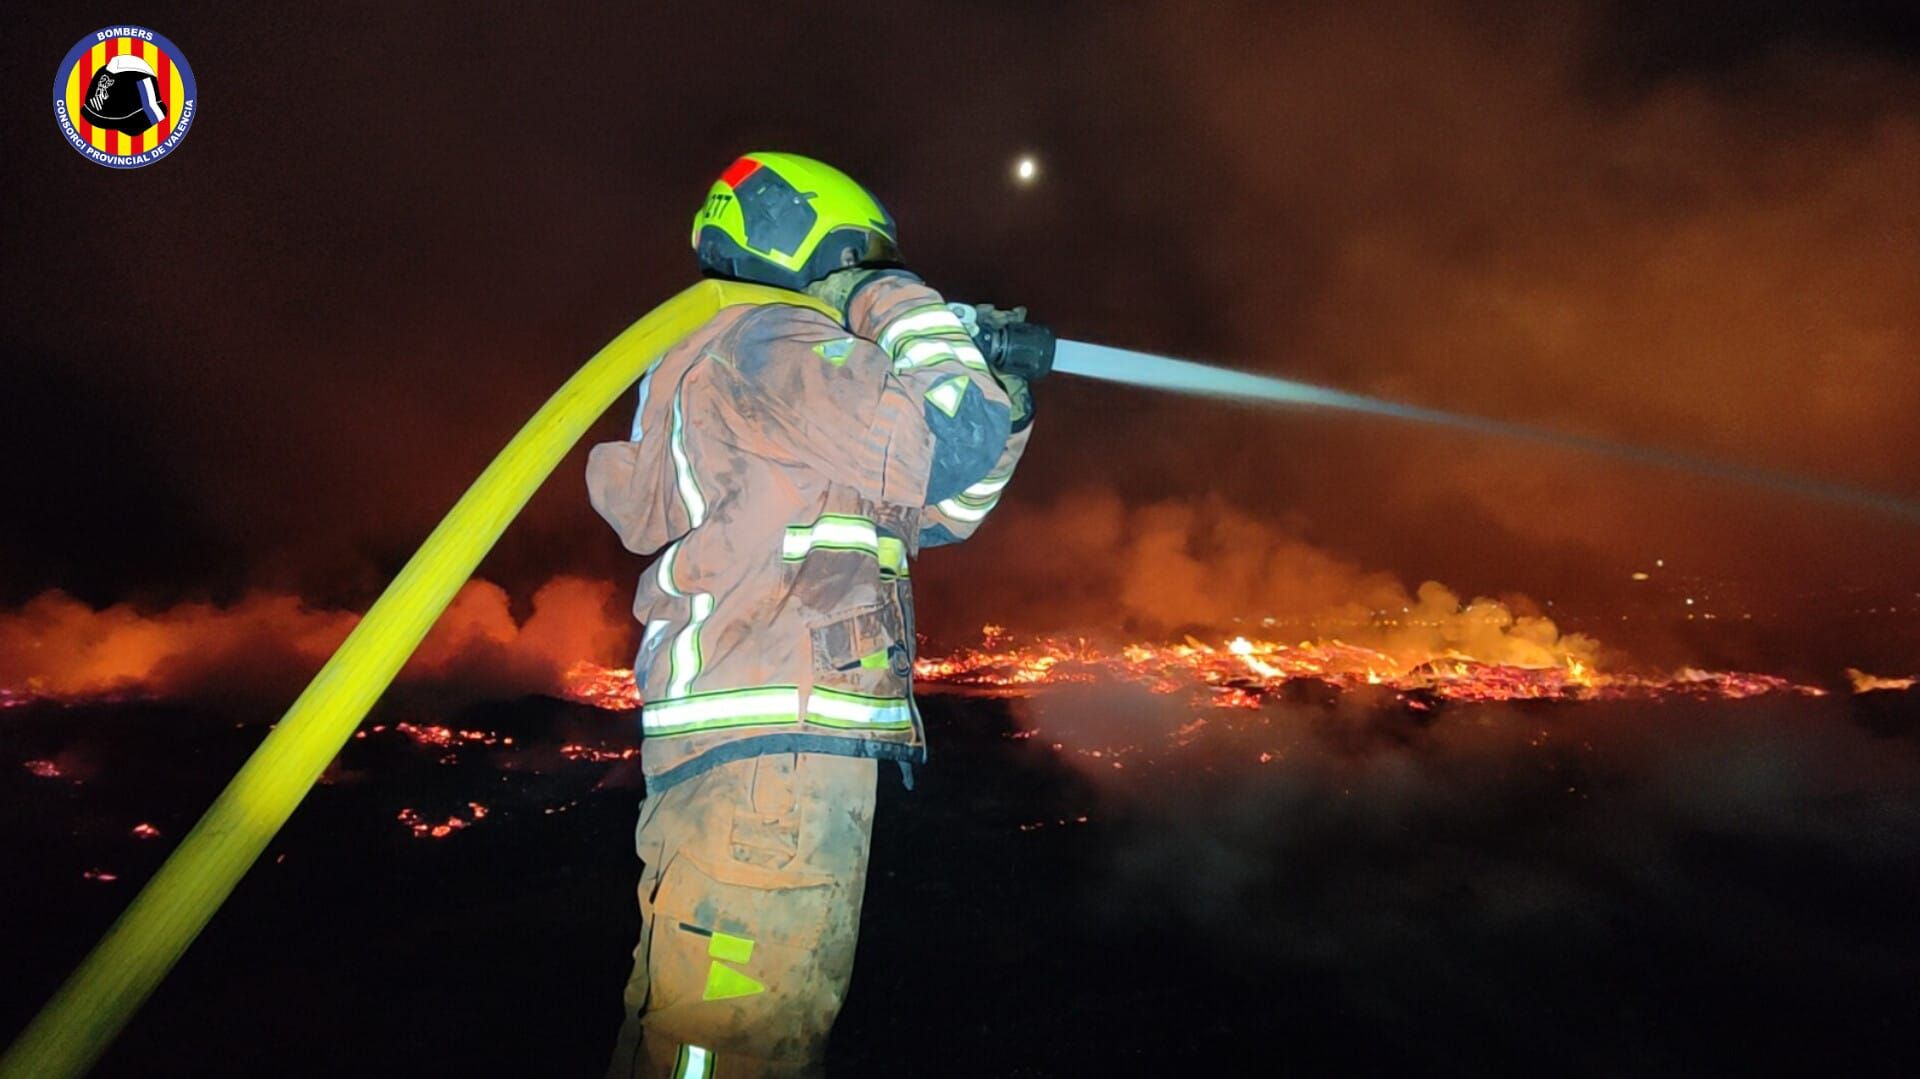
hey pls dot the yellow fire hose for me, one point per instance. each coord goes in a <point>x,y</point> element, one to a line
<point>102,994</point>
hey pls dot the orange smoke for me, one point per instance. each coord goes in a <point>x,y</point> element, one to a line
<point>1091,560</point>
<point>56,647</point>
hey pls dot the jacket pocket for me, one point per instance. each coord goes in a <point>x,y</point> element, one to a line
<point>860,646</point>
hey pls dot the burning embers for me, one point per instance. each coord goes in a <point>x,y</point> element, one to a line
<point>423,828</point>
<point>1241,673</point>
<point>611,688</point>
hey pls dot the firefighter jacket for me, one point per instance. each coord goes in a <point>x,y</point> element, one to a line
<point>787,469</point>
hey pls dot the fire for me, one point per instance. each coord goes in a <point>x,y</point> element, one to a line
<point>1434,647</point>
<point>1870,683</point>
<point>1241,673</point>
<point>446,737</point>
<point>423,828</point>
<point>611,688</point>
<point>573,751</point>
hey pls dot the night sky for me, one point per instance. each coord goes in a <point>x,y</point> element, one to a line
<point>274,358</point>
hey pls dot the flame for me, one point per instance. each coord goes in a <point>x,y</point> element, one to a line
<point>611,688</point>
<point>1870,683</point>
<point>1432,647</point>
<point>573,751</point>
<point>1241,673</point>
<point>426,829</point>
<point>447,737</point>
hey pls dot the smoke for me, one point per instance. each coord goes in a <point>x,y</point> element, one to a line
<point>60,648</point>
<point>1477,209</point>
<point>1440,873</point>
<point>1205,566</point>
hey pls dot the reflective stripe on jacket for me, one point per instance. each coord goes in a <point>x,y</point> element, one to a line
<point>786,470</point>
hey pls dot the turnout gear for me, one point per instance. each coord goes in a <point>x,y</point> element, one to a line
<point>786,464</point>
<point>786,467</point>
<point>787,220</point>
<point>750,912</point>
<point>787,470</point>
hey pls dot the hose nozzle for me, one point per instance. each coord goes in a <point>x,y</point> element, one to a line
<point>1012,345</point>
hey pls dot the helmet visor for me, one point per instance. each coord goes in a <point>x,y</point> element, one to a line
<point>880,250</point>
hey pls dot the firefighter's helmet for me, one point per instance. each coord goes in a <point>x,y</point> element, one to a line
<point>787,220</point>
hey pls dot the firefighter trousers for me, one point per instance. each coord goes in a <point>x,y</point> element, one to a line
<point>749,914</point>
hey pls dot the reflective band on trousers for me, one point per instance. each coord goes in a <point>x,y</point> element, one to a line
<point>845,532</point>
<point>695,1062</point>
<point>768,706</point>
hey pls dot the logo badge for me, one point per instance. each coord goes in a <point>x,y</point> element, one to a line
<point>124,97</point>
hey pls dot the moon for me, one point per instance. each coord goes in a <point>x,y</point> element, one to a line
<point>1026,169</point>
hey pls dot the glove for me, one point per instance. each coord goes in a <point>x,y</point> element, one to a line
<point>837,288</point>
<point>1020,395</point>
<point>1017,351</point>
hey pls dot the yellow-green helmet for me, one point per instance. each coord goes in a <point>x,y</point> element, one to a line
<point>787,220</point>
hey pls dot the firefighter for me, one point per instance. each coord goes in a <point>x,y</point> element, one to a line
<point>787,466</point>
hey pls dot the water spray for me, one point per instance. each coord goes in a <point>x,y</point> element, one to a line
<point>1198,379</point>
<point>1019,347</point>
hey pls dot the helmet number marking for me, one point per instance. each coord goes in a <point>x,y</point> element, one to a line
<point>717,202</point>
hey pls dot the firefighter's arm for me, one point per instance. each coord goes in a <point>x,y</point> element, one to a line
<point>953,519</point>
<point>968,414</point>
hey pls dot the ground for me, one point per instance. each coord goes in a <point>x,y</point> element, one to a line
<point>1690,888</point>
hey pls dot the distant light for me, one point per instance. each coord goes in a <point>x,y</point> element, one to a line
<point>1026,169</point>
<point>1640,576</point>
